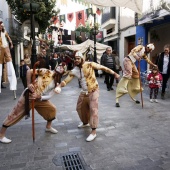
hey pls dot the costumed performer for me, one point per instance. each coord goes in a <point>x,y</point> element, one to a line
<point>130,82</point>
<point>41,90</point>
<point>87,104</point>
<point>5,56</point>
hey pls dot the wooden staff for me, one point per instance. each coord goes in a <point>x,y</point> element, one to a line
<point>32,102</point>
<point>140,83</point>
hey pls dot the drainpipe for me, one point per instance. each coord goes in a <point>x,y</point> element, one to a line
<point>118,39</point>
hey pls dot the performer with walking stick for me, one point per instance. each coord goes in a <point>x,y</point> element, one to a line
<point>45,83</point>
<point>140,83</point>
<point>130,82</point>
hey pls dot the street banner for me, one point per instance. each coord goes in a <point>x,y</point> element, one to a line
<point>70,16</point>
<point>98,11</point>
<point>80,18</point>
<point>89,12</point>
<point>62,18</point>
<point>55,20</point>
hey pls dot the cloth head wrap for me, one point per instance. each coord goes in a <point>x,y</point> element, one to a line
<point>79,54</point>
<point>151,46</point>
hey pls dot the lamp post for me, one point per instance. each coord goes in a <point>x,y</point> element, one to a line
<point>95,32</point>
<point>31,6</point>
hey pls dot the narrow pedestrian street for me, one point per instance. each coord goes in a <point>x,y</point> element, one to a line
<point>128,138</point>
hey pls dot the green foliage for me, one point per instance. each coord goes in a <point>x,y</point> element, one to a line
<point>43,15</point>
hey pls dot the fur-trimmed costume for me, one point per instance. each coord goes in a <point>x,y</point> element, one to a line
<point>130,82</point>
<point>44,85</point>
<point>5,56</point>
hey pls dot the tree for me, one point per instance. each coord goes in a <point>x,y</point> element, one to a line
<point>42,16</point>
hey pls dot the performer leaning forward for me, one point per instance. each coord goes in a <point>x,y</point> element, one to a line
<point>130,82</point>
<point>41,91</point>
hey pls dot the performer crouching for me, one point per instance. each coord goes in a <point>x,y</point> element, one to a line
<point>87,104</point>
<point>45,83</point>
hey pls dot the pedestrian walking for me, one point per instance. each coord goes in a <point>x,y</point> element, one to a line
<point>108,60</point>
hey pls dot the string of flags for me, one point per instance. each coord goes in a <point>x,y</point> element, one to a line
<point>81,17</point>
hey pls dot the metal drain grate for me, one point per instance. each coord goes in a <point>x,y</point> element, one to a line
<point>71,161</point>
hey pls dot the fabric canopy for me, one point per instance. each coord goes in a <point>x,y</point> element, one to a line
<point>135,5</point>
<point>100,48</point>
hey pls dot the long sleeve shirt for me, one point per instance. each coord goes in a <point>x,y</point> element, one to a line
<point>139,53</point>
<point>86,75</point>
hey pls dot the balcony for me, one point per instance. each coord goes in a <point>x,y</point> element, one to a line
<point>108,18</point>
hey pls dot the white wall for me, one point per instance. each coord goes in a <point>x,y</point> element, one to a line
<point>126,17</point>
<point>5,9</point>
<point>123,46</point>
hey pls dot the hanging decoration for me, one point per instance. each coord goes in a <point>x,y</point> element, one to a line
<point>89,12</point>
<point>98,12</point>
<point>62,18</point>
<point>70,16</point>
<point>80,18</point>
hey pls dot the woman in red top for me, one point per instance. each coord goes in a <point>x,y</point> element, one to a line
<point>155,79</point>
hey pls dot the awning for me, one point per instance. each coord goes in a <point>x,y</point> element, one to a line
<point>135,5</point>
<point>155,15</point>
<point>100,48</point>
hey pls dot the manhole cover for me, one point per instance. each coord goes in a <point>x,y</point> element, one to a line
<point>71,161</point>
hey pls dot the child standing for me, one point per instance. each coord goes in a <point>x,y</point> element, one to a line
<point>23,72</point>
<point>155,79</point>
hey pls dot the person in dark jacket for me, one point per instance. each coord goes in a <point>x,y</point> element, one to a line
<point>108,60</point>
<point>23,72</point>
<point>44,59</point>
<point>55,61</point>
<point>163,64</point>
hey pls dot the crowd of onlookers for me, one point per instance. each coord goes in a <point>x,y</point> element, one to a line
<point>47,61</point>
<point>109,59</point>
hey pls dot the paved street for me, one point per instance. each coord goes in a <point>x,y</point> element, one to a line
<point>128,138</point>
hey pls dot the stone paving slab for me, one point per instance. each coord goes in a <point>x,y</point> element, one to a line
<point>128,138</point>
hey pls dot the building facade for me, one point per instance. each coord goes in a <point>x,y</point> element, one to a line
<point>119,29</point>
<point>12,26</point>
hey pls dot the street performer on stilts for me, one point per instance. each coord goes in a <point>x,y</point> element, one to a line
<point>87,104</point>
<point>41,90</point>
<point>5,56</point>
<point>130,82</point>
